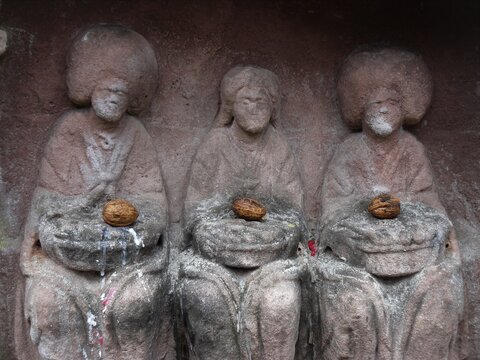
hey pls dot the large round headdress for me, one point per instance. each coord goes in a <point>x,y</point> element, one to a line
<point>108,51</point>
<point>364,72</point>
<point>242,76</point>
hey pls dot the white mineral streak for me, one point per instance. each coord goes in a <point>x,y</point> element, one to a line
<point>91,320</point>
<point>84,353</point>
<point>124,252</point>
<point>380,189</point>
<point>142,280</point>
<point>103,248</point>
<point>137,239</point>
<point>379,125</point>
<point>91,324</point>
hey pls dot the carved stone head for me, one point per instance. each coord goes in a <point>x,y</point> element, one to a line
<point>114,69</point>
<point>380,90</point>
<point>250,97</point>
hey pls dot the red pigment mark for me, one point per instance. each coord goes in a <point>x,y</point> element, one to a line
<point>109,297</point>
<point>98,338</point>
<point>312,247</point>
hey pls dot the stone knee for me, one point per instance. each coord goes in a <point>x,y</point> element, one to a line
<point>57,326</point>
<point>133,317</point>
<point>279,318</point>
<point>435,315</point>
<point>352,321</point>
<point>210,318</point>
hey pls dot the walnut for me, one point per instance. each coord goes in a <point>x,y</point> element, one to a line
<point>119,212</point>
<point>384,206</point>
<point>248,209</point>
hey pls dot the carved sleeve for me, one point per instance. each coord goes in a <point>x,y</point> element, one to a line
<point>421,185</point>
<point>288,183</point>
<point>142,174</point>
<point>59,166</point>
<point>338,189</point>
<point>204,181</point>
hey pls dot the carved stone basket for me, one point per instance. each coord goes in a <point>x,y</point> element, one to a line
<point>388,247</point>
<point>83,241</point>
<point>245,244</point>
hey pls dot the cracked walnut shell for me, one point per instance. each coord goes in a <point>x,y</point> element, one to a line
<point>248,209</point>
<point>119,212</point>
<point>384,206</point>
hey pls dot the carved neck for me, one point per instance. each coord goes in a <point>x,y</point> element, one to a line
<point>381,145</point>
<point>104,125</point>
<point>248,139</point>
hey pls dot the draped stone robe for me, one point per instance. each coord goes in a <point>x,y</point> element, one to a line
<point>243,306</point>
<point>78,308</point>
<point>363,316</point>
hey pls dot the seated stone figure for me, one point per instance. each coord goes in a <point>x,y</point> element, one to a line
<point>239,290</point>
<point>94,290</point>
<point>386,288</point>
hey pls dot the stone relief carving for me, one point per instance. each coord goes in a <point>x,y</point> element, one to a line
<point>386,288</point>
<point>381,288</point>
<point>239,288</point>
<point>94,290</point>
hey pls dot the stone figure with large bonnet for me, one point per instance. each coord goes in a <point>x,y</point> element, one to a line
<point>239,288</point>
<point>94,283</point>
<point>387,288</point>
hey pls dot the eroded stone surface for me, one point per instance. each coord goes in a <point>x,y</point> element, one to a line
<point>393,288</point>
<point>193,65</point>
<point>390,247</point>
<point>238,298</point>
<point>94,291</point>
<point>3,41</point>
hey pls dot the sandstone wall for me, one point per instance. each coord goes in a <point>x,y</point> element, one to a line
<point>196,42</point>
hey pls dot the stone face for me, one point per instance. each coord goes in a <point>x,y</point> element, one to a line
<point>92,290</point>
<point>240,286</point>
<point>114,53</point>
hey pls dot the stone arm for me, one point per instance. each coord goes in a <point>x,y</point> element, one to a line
<point>338,191</point>
<point>288,184</point>
<point>141,182</point>
<point>60,164</point>
<point>421,186</point>
<point>203,184</point>
<point>30,234</point>
<point>58,174</point>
